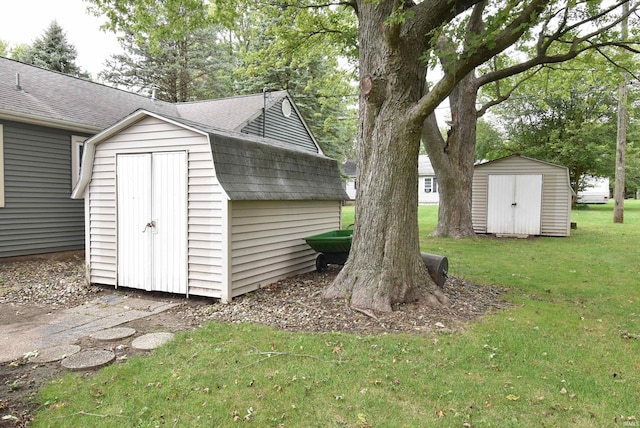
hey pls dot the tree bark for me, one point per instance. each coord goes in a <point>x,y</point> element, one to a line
<point>384,265</point>
<point>621,139</point>
<point>453,160</point>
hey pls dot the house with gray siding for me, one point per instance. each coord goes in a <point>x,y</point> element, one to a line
<point>46,116</point>
<point>177,206</point>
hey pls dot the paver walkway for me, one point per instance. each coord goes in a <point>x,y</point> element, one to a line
<point>67,326</point>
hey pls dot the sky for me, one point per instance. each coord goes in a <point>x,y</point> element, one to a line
<point>23,21</point>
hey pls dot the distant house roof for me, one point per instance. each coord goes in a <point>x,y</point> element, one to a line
<point>248,167</point>
<point>424,165</point>
<point>35,95</point>
<point>349,167</point>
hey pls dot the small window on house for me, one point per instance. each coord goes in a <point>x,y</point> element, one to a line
<point>77,150</point>
<point>1,167</point>
<point>431,185</point>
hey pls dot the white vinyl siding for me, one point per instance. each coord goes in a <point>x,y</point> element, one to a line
<point>204,194</point>
<point>267,239</point>
<point>152,222</point>
<point>556,192</point>
<point>514,204</point>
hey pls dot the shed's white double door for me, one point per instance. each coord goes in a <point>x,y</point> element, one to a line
<point>152,221</point>
<point>514,204</point>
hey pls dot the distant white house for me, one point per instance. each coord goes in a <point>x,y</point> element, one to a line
<point>595,191</point>
<point>427,181</point>
<point>428,192</point>
<point>349,174</point>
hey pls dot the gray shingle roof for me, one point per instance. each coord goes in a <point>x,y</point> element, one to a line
<point>77,102</point>
<point>254,168</point>
<point>248,170</point>
<point>349,168</point>
<point>228,113</point>
<point>80,103</point>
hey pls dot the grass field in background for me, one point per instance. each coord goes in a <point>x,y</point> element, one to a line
<point>566,353</point>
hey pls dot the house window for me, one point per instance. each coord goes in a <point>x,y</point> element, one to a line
<point>431,185</point>
<point>1,167</point>
<point>77,149</point>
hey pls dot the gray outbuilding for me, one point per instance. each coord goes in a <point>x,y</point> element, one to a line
<point>177,206</point>
<point>521,196</point>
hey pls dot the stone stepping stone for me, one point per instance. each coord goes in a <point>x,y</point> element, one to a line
<point>55,353</point>
<point>151,341</point>
<point>87,360</point>
<point>115,333</point>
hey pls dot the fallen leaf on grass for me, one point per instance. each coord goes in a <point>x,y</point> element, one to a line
<point>563,391</point>
<point>512,397</point>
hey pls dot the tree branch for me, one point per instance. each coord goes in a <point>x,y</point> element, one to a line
<point>501,98</point>
<point>615,64</point>
<point>552,59</point>
<point>298,5</point>
<point>474,57</point>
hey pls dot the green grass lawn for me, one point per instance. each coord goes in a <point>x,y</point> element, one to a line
<point>566,353</point>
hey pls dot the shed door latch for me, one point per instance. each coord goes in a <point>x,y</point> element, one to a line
<point>150,225</point>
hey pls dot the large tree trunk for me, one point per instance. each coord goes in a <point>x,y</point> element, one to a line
<point>453,160</point>
<point>384,265</point>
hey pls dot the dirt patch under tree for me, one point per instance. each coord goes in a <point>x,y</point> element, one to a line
<point>33,288</point>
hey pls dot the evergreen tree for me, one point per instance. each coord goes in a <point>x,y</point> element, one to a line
<point>52,51</point>
<point>188,69</point>
<point>171,46</point>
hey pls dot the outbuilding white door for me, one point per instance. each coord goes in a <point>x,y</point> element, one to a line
<point>152,221</point>
<point>514,204</point>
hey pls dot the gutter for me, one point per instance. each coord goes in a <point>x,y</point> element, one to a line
<point>49,122</point>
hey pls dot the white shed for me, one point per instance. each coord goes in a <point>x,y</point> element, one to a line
<point>180,207</point>
<point>520,196</point>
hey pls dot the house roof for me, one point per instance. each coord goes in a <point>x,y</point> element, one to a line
<point>232,113</point>
<point>424,165</point>
<point>349,167</point>
<point>36,95</point>
<point>248,167</point>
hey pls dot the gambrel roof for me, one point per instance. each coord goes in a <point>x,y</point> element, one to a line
<point>248,167</point>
